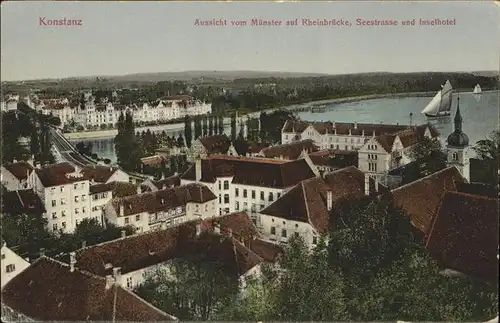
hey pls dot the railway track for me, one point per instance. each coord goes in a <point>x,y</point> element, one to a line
<point>67,151</point>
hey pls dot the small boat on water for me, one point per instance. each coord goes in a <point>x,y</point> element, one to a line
<point>477,89</point>
<point>440,105</point>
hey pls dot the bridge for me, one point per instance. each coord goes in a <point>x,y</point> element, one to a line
<point>70,154</point>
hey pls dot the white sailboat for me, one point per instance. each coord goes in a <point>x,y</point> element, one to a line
<point>477,89</point>
<point>440,104</point>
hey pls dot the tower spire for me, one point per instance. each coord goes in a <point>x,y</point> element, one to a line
<point>458,117</point>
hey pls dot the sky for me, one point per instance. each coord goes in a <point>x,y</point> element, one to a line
<point>118,38</point>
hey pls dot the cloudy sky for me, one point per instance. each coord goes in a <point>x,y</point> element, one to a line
<point>138,37</point>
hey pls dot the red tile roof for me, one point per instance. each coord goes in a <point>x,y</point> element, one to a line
<point>290,151</point>
<point>267,250</point>
<point>20,170</point>
<point>218,144</point>
<point>239,224</point>
<point>155,160</point>
<point>464,235</point>
<point>256,147</point>
<point>163,200</point>
<point>143,250</point>
<point>342,128</point>
<point>171,181</point>
<point>22,202</point>
<point>307,201</point>
<point>420,199</point>
<point>55,175</point>
<point>49,291</point>
<point>100,174</point>
<point>335,158</point>
<point>408,136</point>
<point>119,189</point>
<point>252,171</point>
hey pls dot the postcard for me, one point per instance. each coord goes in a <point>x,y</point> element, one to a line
<point>250,161</point>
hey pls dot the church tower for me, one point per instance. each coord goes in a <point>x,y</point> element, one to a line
<point>458,146</point>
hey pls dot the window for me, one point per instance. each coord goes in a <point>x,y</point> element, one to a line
<point>10,268</point>
<point>283,233</point>
<point>237,206</point>
<point>75,186</point>
<point>279,195</point>
<point>53,202</point>
<point>226,198</point>
<point>95,197</point>
<point>83,197</point>
<point>271,197</point>
<point>262,197</point>
<point>262,206</point>
<point>236,192</point>
<point>54,215</point>
<point>83,209</point>
<point>54,227</point>
<point>226,185</point>
<point>62,188</point>
<point>244,193</point>
<point>3,256</point>
<point>77,210</point>
<point>220,185</point>
<point>226,210</point>
<point>63,225</point>
<point>52,190</point>
<point>253,194</point>
<point>129,282</point>
<point>138,217</point>
<point>296,234</point>
<point>372,167</point>
<point>126,220</point>
<point>63,201</point>
<point>77,198</point>
<point>245,206</point>
<point>220,199</point>
<point>273,230</point>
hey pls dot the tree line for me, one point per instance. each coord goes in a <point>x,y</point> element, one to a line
<point>372,267</point>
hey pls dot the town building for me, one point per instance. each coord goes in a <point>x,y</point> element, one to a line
<point>162,184</point>
<point>212,145</point>
<point>159,209</point>
<point>246,183</point>
<point>15,203</point>
<point>15,176</point>
<point>335,135</point>
<point>329,160</point>
<point>135,258</point>
<point>289,151</point>
<point>383,153</point>
<point>421,198</point>
<point>458,146</point>
<point>104,174</point>
<point>12,264</point>
<point>464,234</point>
<point>254,148</point>
<point>50,290</point>
<point>305,209</point>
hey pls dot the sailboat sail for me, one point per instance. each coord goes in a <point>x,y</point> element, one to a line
<point>441,102</point>
<point>477,89</point>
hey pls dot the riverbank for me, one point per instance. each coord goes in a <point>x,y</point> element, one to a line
<point>180,126</point>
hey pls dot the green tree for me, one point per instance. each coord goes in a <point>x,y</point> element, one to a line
<point>211,126</point>
<point>188,131</point>
<point>220,125</point>
<point>195,290</point>
<point>197,128</point>
<point>429,151</point>
<point>489,148</point>
<point>127,145</point>
<point>234,130</point>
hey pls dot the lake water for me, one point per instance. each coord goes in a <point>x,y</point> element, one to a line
<point>480,114</point>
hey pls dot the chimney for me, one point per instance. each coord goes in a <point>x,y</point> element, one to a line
<point>355,125</point>
<point>124,233</point>
<point>122,209</point>
<point>14,160</point>
<point>117,274</point>
<point>42,252</point>
<point>109,281</point>
<point>229,232</point>
<point>38,165</point>
<point>198,229</point>
<point>197,169</point>
<point>367,184</point>
<point>217,228</point>
<point>84,244</point>
<point>139,189</point>
<point>164,187</point>
<point>72,261</point>
<point>329,200</point>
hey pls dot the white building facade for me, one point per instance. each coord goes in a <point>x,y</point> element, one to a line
<point>12,264</point>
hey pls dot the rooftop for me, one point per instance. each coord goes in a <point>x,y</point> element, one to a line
<point>22,202</point>
<point>20,170</point>
<point>48,291</point>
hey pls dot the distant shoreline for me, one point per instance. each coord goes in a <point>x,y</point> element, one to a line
<point>101,134</point>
